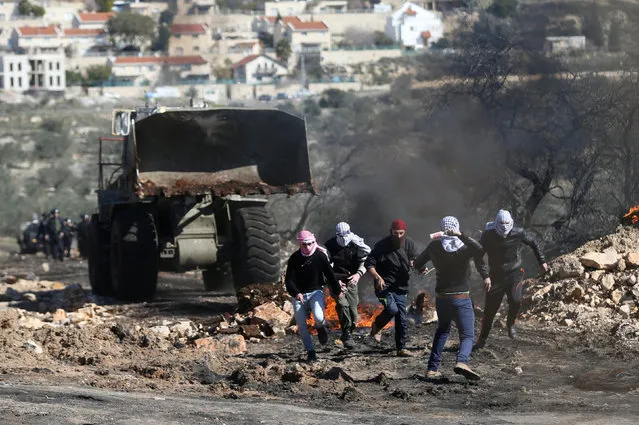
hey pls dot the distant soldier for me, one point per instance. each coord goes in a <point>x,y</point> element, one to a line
<point>68,236</point>
<point>502,242</point>
<point>307,269</point>
<point>82,231</point>
<point>347,253</point>
<point>54,235</point>
<point>43,240</point>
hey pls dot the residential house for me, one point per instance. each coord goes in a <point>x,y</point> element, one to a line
<point>37,71</point>
<point>267,24</point>
<point>77,41</point>
<point>193,7</point>
<point>151,9</point>
<point>414,27</point>
<point>36,39</point>
<point>189,39</point>
<point>166,69</point>
<point>256,69</point>
<point>303,36</point>
<point>92,20</point>
<point>284,8</point>
<point>331,6</point>
<point>559,45</point>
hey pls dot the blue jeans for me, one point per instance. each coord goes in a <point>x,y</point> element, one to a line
<point>313,302</point>
<point>394,307</point>
<point>460,311</point>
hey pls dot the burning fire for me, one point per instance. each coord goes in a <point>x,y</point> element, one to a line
<point>366,314</point>
<point>633,215</point>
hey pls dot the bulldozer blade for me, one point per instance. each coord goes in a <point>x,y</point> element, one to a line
<point>224,151</point>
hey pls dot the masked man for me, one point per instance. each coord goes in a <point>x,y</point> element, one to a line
<point>347,253</point>
<point>306,271</point>
<point>502,242</point>
<point>389,263</point>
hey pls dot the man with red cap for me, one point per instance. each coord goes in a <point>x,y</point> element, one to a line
<point>306,272</point>
<point>389,263</point>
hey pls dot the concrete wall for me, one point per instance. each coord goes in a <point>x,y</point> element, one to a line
<point>338,23</point>
<point>352,57</point>
<point>81,63</point>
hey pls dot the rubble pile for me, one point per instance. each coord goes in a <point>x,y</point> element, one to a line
<point>595,287</point>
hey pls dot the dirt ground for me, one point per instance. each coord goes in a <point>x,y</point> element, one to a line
<point>116,370</point>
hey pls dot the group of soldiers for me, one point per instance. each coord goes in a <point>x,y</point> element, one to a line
<point>345,258</point>
<point>53,235</point>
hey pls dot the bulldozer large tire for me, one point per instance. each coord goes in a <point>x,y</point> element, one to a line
<point>99,261</point>
<point>134,255</point>
<point>256,247</point>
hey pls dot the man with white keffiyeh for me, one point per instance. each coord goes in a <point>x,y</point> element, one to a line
<point>502,242</point>
<point>347,253</point>
<point>450,254</point>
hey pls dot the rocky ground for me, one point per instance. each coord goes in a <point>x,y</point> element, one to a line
<point>191,347</point>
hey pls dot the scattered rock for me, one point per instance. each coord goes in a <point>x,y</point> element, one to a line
<point>271,313</point>
<point>351,394</point>
<point>568,322</point>
<point>59,316</point>
<point>288,308</point>
<point>596,275</point>
<point>251,331</point>
<point>568,266</point>
<point>162,331</point>
<point>616,296</point>
<point>625,310</point>
<point>230,345</point>
<point>577,293</point>
<point>621,265</point>
<point>518,370</point>
<point>30,323</point>
<point>45,267</point>
<point>185,329</point>
<point>292,375</point>
<point>607,282</point>
<point>337,374</point>
<point>600,260</point>
<point>32,346</point>
<point>632,259</point>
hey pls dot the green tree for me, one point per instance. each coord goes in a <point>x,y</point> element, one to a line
<point>283,50</point>
<point>381,39</point>
<point>73,77</point>
<point>104,5</point>
<point>131,28</point>
<point>503,8</point>
<point>592,28</point>
<point>98,73</point>
<point>614,37</point>
<point>26,8</point>
<point>161,42</point>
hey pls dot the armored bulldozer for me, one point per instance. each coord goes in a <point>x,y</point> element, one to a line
<point>188,190</point>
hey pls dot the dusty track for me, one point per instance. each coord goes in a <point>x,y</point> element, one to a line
<point>568,377</point>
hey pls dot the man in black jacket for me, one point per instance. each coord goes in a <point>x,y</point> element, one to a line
<point>306,271</point>
<point>451,254</point>
<point>389,263</point>
<point>55,233</point>
<point>347,253</point>
<point>503,242</point>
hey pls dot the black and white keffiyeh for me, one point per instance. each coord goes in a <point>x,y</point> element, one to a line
<point>450,243</point>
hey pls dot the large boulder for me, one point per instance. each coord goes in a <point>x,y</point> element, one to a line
<point>565,267</point>
<point>600,260</point>
<point>271,313</point>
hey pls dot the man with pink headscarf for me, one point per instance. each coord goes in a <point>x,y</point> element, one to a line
<point>306,272</point>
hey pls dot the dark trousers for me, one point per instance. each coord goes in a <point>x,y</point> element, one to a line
<point>512,286</point>
<point>460,311</point>
<point>56,248</point>
<point>394,307</point>
<point>347,312</point>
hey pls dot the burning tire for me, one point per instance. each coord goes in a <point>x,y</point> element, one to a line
<point>256,253</point>
<point>99,265</point>
<point>134,255</point>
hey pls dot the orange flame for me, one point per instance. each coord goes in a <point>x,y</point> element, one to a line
<point>633,214</point>
<point>366,314</point>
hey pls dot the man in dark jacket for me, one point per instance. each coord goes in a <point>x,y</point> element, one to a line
<point>451,254</point>
<point>83,236</point>
<point>347,253</point>
<point>55,234</point>
<point>306,271</point>
<point>503,243</point>
<point>389,263</point>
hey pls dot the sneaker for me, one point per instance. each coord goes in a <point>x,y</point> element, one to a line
<point>512,332</point>
<point>312,357</point>
<point>322,335</point>
<point>404,353</point>
<point>481,343</point>
<point>466,372</point>
<point>433,374</point>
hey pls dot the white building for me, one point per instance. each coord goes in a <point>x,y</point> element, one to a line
<point>414,27</point>
<point>565,44</point>
<point>36,39</point>
<point>32,72</point>
<point>257,69</point>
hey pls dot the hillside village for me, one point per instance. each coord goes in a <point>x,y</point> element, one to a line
<point>220,51</point>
